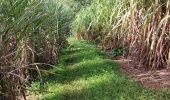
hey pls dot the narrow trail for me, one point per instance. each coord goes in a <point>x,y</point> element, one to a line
<point>86,73</point>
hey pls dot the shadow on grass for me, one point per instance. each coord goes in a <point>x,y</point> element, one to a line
<point>110,91</point>
<point>101,85</point>
<point>107,85</point>
<point>79,57</point>
<point>83,70</point>
<point>84,73</point>
<point>80,51</point>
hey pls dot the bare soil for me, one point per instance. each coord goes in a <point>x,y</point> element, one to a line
<point>159,79</point>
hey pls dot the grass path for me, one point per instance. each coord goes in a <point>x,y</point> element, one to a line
<point>85,73</point>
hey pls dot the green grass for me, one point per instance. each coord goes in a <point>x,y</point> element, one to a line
<point>86,73</point>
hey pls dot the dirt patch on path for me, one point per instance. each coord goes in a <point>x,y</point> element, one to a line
<point>150,79</point>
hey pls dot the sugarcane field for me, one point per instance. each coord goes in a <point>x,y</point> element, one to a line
<point>84,49</point>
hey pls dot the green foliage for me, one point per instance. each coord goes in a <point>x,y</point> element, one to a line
<point>98,17</point>
<point>84,2</point>
<point>118,23</point>
<point>118,51</point>
<point>31,32</point>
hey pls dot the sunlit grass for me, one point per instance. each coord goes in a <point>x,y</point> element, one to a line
<point>93,77</point>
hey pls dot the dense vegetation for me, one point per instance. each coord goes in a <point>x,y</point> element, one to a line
<point>141,27</point>
<point>33,33</point>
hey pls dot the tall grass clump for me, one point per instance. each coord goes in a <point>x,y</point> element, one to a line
<point>31,36</point>
<point>95,22</point>
<point>141,27</point>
